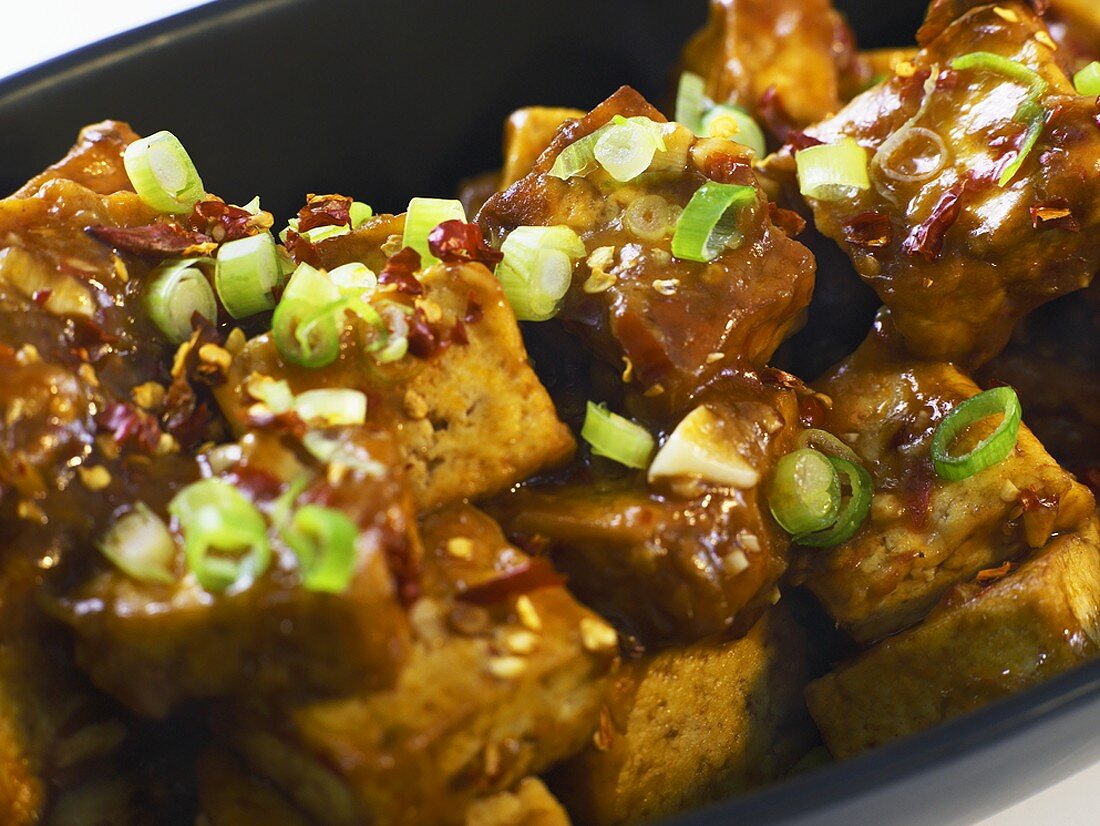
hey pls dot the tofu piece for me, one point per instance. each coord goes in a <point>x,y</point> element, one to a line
<point>983,641</point>
<point>56,731</point>
<point>670,323</point>
<point>958,255</point>
<point>529,804</point>
<point>229,795</point>
<point>468,421</point>
<point>926,534</point>
<point>154,645</point>
<point>507,676</point>
<point>673,560</point>
<point>527,133</point>
<point>692,725</point>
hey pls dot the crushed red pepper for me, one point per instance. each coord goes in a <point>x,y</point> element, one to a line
<point>400,272</point>
<point>927,238</point>
<point>456,241</point>
<point>324,211</point>
<point>871,230</point>
<point>154,240</point>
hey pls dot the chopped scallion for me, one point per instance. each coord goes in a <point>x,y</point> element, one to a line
<point>305,325</point>
<point>708,223</point>
<point>177,290</point>
<point>833,172</point>
<point>140,545</point>
<point>246,274</point>
<point>616,438</point>
<point>162,173</point>
<point>323,539</point>
<point>627,148</point>
<point>804,495</point>
<point>331,407</point>
<point>424,215</point>
<point>692,102</point>
<point>854,507</point>
<point>225,536</point>
<point>991,450</point>
<point>319,234</point>
<point>537,269</point>
<point>735,123</point>
<point>1087,81</point>
<point>359,213</point>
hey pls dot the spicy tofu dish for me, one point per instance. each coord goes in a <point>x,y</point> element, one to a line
<point>574,497</point>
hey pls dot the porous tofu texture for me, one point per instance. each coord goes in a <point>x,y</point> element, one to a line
<point>692,725</point>
<point>505,679</point>
<point>926,534</point>
<point>982,642</point>
<point>154,645</point>
<point>469,421</point>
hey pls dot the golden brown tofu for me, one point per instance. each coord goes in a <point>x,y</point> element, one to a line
<point>1000,217</point>
<point>469,420</point>
<point>229,795</point>
<point>671,323</point>
<point>674,559</point>
<point>987,639</point>
<point>55,730</point>
<point>790,62</point>
<point>507,676</point>
<point>529,804</point>
<point>926,534</point>
<point>527,133</point>
<point>154,645</point>
<point>693,725</point>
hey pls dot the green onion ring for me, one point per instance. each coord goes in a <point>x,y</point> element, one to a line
<point>323,540</point>
<point>617,438</point>
<point>709,221</point>
<point>804,495</point>
<point>853,509</point>
<point>992,450</point>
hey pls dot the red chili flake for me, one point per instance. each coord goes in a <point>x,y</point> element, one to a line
<point>947,80</point>
<point>869,229</point>
<point>221,221</point>
<point>324,211</point>
<point>1054,214</point>
<point>787,220</point>
<point>729,168</point>
<point>775,115</point>
<point>474,313</point>
<point>400,271</point>
<point>528,576</point>
<point>299,248</point>
<point>261,485</point>
<point>157,240</point>
<point>797,140</point>
<point>423,340</point>
<point>458,334</point>
<point>927,238</point>
<point>125,422</point>
<point>457,241</point>
<point>40,297</point>
<point>991,575</point>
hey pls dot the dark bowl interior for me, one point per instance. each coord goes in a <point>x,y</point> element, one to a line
<point>392,98</point>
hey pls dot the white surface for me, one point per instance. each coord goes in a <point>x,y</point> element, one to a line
<point>34,30</point>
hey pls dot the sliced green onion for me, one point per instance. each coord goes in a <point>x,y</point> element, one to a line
<point>853,509</point>
<point>331,406</point>
<point>304,325</point>
<point>616,438</point>
<point>275,394</point>
<point>247,273</point>
<point>359,213</point>
<point>253,206</point>
<point>627,148</point>
<point>162,173</point>
<point>1030,112</point>
<point>735,123</point>
<point>832,172</point>
<point>319,234</point>
<point>579,158</point>
<point>804,495</point>
<point>827,443</point>
<point>396,319</point>
<point>140,545</point>
<point>282,507</point>
<point>692,102</point>
<point>1087,81</point>
<point>424,215</point>
<point>215,517</point>
<point>353,278</point>
<point>327,449</point>
<point>323,539</point>
<point>708,223</point>
<point>177,290</point>
<point>990,451</point>
<point>537,269</point>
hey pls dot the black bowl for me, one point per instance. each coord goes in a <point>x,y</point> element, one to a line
<point>386,99</point>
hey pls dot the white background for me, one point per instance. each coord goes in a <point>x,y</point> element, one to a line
<point>34,30</point>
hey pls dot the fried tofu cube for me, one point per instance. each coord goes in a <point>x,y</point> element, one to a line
<point>529,804</point>
<point>470,420</point>
<point>527,133</point>
<point>154,645</point>
<point>926,534</point>
<point>507,676</point>
<point>691,725</point>
<point>55,729</point>
<point>983,641</point>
